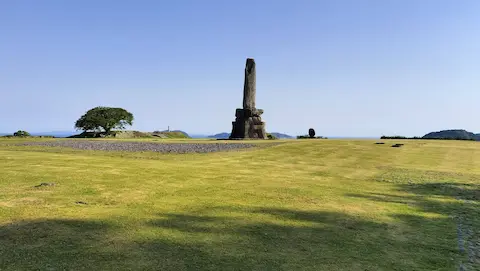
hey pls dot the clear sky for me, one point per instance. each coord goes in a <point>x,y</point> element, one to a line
<point>345,68</point>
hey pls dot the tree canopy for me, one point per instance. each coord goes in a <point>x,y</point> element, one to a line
<point>21,133</point>
<point>106,118</point>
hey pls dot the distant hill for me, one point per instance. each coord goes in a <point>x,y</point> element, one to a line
<point>220,136</point>
<point>198,136</point>
<point>453,134</point>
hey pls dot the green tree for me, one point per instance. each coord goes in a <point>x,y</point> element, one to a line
<point>311,133</point>
<point>21,133</point>
<point>104,118</point>
<point>270,136</point>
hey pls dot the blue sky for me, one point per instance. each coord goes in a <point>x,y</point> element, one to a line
<point>345,68</point>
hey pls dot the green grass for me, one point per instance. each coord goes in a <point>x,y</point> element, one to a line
<point>301,205</point>
<point>126,134</point>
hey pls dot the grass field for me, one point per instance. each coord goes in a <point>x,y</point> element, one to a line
<point>300,205</point>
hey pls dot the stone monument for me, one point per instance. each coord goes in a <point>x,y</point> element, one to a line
<point>248,123</point>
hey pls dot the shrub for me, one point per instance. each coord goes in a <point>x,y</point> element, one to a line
<point>270,136</point>
<point>21,133</point>
<point>308,137</point>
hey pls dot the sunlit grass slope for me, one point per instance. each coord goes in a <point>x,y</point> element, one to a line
<point>300,205</point>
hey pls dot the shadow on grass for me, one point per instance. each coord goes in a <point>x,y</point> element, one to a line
<point>218,239</point>
<point>448,198</point>
<point>50,244</point>
<point>457,202</point>
<point>463,191</point>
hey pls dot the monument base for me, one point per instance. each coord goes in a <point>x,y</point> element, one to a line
<point>248,125</point>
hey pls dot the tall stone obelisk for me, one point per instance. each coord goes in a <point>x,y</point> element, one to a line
<point>250,85</point>
<point>248,123</point>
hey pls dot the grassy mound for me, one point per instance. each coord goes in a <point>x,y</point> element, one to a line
<point>133,134</point>
<point>172,134</point>
<point>114,134</point>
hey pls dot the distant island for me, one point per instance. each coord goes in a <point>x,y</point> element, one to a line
<point>453,134</point>
<point>227,135</point>
<point>220,136</point>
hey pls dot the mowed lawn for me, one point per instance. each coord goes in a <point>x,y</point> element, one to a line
<point>300,205</point>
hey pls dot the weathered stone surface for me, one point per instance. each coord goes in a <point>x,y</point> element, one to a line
<point>249,87</point>
<point>246,113</point>
<point>257,120</point>
<point>248,123</point>
<point>257,112</point>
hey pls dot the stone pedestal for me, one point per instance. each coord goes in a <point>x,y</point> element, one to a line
<point>248,124</point>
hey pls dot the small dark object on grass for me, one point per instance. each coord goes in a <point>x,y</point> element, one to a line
<point>397,145</point>
<point>380,143</point>
<point>45,184</point>
<point>81,202</point>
